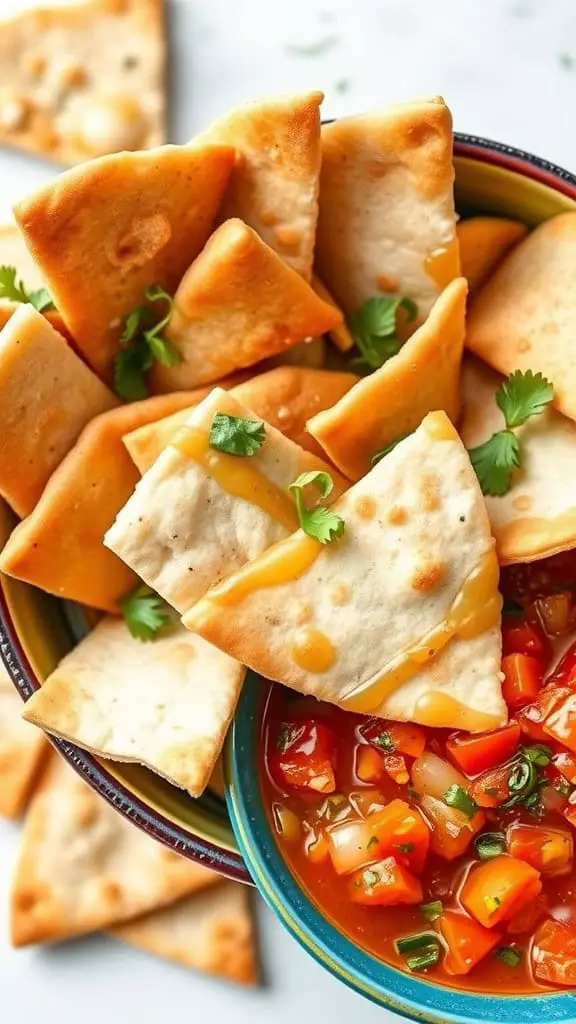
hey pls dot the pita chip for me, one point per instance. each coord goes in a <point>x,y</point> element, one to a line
<point>387,223</point>
<point>484,242</point>
<point>211,931</point>
<point>285,397</point>
<point>47,396</point>
<point>103,232</point>
<point>340,336</point>
<point>83,80</point>
<point>82,866</point>
<point>537,517</point>
<point>22,750</point>
<point>59,547</point>
<point>392,401</point>
<point>274,185</point>
<point>198,513</point>
<point>525,317</point>
<point>378,621</point>
<point>13,253</point>
<point>166,705</point>
<point>237,304</point>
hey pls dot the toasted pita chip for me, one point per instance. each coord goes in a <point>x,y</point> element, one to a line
<point>47,396</point>
<point>376,621</point>
<point>198,513</point>
<point>238,304</point>
<point>274,185</point>
<point>82,866</point>
<point>211,932</point>
<point>387,222</point>
<point>59,547</point>
<point>22,750</point>
<point>13,253</point>
<point>80,81</point>
<point>165,705</point>
<point>310,354</point>
<point>423,377</point>
<point>484,242</point>
<point>103,232</point>
<point>537,517</point>
<point>340,335</point>
<point>285,397</point>
<point>525,318</point>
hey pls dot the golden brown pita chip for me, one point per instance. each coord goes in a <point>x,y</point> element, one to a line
<point>340,335</point>
<point>274,185</point>
<point>484,242</point>
<point>82,866</point>
<point>80,81</point>
<point>392,401</point>
<point>103,232</point>
<point>387,222</point>
<point>525,316</point>
<point>59,546</point>
<point>211,931</point>
<point>22,749</point>
<point>237,304</point>
<point>13,253</point>
<point>47,396</point>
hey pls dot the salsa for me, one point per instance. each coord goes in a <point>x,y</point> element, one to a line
<point>446,853</point>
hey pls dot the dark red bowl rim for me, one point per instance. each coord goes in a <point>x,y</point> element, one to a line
<point>14,657</point>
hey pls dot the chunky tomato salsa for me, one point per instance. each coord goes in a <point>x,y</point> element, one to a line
<point>449,854</point>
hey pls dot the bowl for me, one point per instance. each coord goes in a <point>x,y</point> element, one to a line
<point>36,630</point>
<point>406,994</point>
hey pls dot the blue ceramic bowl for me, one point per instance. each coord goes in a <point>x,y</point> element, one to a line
<point>409,995</point>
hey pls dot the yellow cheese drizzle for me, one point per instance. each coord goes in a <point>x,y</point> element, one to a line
<point>313,651</point>
<point>436,709</point>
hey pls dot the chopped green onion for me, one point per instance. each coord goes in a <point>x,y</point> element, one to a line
<point>428,958</point>
<point>384,740</point>
<point>509,956</point>
<point>520,777</point>
<point>539,754</point>
<point>432,911</point>
<point>418,941</point>
<point>490,844</point>
<point>461,800</point>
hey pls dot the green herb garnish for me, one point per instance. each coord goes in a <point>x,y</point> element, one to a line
<point>145,613</point>
<point>388,448</point>
<point>321,523</point>
<point>384,740</point>
<point>142,344</point>
<point>235,435</point>
<point>373,328</point>
<point>428,958</point>
<point>418,941</point>
<point>490,844</point>
<point>509,956</point>
<point>539,754</point>
<point>432,911</point>
<point>461,800</point>
<point>16,291</point>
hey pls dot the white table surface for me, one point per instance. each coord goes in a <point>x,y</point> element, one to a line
<point>508,70</point>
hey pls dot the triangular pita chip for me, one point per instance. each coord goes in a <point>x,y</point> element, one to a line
<point>274,185</point>
<point>285,397</point>
<point>387,222</point>
<point>22,749</point>
<point>310,354</point>
<point>424,376</point>
<point>13,253</point>
<point>237,304</point>
<point>59,547</point>
<point>211,931</point>
<point>82,866</point>
<point>198,514</point>
<point>537,517</point>
<point>83,80</point>
<point>525,316</point>
<point>484,242</point>
<point>376,621</point>
<point>103,232</point>
<point>339,335</point>
<point>166,705</point>
<point>47,396</point>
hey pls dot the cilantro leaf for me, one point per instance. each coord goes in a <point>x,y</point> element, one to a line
<point>11,288</point>
<point>235,435</point>
<point>145,613</point>
<point>494,461</point>
<point>373,328</point>
<point>388,448</point>
<point>321,523</point>
<point>523,395</point>
<point>130,366</point>
<point>142,344</point>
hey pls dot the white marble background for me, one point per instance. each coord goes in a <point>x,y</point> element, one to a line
<point>508,70</point>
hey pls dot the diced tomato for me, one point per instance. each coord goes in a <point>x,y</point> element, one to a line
<point>526,919</point>
<point>305,756</point>
<point>398,830</point>
<point>522,637</point>
<point>396,767</point>
<point>394,737</point>
<point>452,831</point>
<point>560,723</point>
<point>565,762</point>
<point>491,788</point>
<point>554,954</point>
<point>476,753</point>
<point>530,721</point>
<point>467,941</point>
<point>385,884</point>
<point>498,888</point>
<point>565,672</point>
<point>369,764</point>
<point>549,850</point>
<point>523,676</point>
<point>532,717</point>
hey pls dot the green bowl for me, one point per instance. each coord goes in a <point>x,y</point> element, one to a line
<point>36,630</point>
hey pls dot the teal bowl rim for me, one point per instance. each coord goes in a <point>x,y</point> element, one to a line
<point>413,997</point>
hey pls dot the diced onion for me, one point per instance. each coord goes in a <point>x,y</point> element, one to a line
<point>554,612</point>
<point>431,776</point>
<point>287,823</point>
